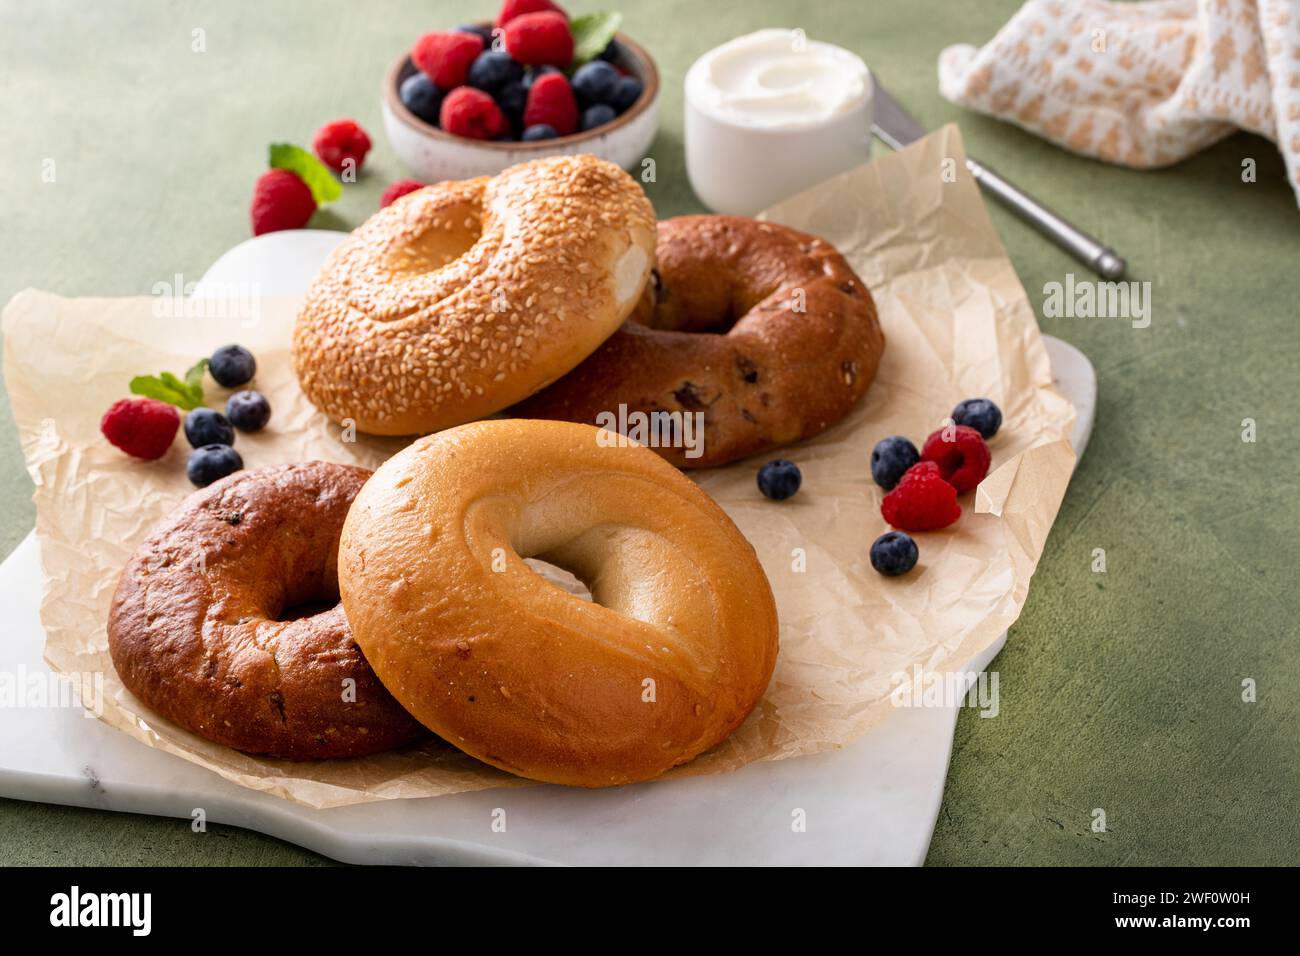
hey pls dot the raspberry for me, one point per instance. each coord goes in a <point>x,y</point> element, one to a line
<point>337,142</point>
<point>472,113</point>
<point>540,39</point>
<point>517,8</point>
<point>445,58</point>
<point>961,455</point>
<point>143,427</point>
<point>397,190</point>
<point>551,102</point>
<point>281,200</point>
<point>923,501</point>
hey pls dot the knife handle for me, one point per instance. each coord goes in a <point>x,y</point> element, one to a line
<point>1100,258</point>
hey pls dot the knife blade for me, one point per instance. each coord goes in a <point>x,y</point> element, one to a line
<point>897,128</point>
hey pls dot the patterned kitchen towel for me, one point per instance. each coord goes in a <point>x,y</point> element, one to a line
<point>1142,84</point>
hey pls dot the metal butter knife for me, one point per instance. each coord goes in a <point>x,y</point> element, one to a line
<point>897,128</point>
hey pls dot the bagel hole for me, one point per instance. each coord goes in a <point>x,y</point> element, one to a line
<point>562,578</point>
<point>714,324</point>
<point>307,598</point>
<point>442,243</point>
<point>296,612</point>
<point>670,313</point>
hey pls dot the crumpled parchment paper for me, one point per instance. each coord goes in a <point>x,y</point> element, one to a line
<point>958,325</point>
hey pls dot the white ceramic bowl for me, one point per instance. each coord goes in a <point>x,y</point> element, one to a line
<point>433,155</point>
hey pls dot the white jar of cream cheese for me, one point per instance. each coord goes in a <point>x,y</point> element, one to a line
<point>770,114</point>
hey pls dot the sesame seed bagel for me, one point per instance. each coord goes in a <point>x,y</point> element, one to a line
<point>763,331</point>
<point>198,632</point>
<point>672,652</point>
<point>462,298</point>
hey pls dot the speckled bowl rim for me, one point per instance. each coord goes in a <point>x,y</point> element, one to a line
<point>642,66</point>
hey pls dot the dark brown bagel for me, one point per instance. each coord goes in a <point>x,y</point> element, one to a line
<point>764,329</point>
<point>195,629</point>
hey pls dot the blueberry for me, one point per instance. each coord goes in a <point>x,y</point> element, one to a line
<point>539,131</point>
<point>893,553</point>
<point>626,92</point>
<point>490,71</point>
<point>979,414</point>
<point>207,426</point>
<point>421,96</point>
<point>612,52</point>
<point>597,115</point>
<point>537,71</point>
<point>890,458</point>
<point>232,365</point>
<point>594,82</point>
<point>484,33</point>
<point>211,462</point>
<point>779,479</point>
<point>512,98</point>
<point>248,411</point>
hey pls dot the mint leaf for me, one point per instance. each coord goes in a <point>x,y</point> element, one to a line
<point>194,379</point>
<point>324,188</point>
<point>166,388</point>
<point>171,381</point>
<point>592,33</point>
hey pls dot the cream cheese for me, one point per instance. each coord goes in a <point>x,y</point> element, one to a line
<point>779,80</point>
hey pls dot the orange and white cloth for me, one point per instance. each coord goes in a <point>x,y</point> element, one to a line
<point>1142,84</point>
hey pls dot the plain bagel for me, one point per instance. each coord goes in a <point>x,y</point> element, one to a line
<point>672,653</point>
<point>465,297</point>
<point>763,332</point>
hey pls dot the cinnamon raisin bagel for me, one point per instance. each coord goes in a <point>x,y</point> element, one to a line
<point>764,331</point>
<point>666,660</point>
<point>465,297</point>
<point>198,630</point>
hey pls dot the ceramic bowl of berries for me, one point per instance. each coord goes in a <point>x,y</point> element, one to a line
<point>473,100</point>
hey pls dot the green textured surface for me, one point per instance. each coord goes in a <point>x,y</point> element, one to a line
<point>1118,690</point>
